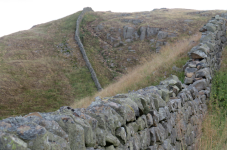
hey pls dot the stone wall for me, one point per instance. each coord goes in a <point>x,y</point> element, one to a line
<point>163,117</point>
<point>77,38</point>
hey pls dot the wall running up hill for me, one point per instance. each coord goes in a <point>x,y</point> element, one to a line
<point>77,38</point>
<point>163,117</point>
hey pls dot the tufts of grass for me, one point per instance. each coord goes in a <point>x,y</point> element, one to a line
<point>214,127</point>
<point>150,72</point>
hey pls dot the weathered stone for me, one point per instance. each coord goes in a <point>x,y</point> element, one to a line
<point>121,134</point>
<point>128,32</point>
<point>107,117</point>
<point>152,31</point>
<point>203,73</point>
<point>134,126</point>
<point>166,144</point>
<point>149,120</point>
<point>175,90</point>
<point>162,35</point>
<point>101,136</point>
<point>154,147</point>
<point>50,141</point>
<point>200,65</point>
<point>165,93</point>
<point>144,138</point>
<point>158,101</point>
<point>155,116</point>
<point>171,81</point>
<point>12,142</point>
<point>110,147</point>
<point>112,139</point>
<point>75,131</point>
<point>188,81</point>
<point>190,72</point>
<point>200,85</point>
<point>142,33</point>
<point>121,110</point>
<point>143,103</point>
<point>173,136</point>
<point>129,105</point>
<point>54,128</point>
<point>155,135</point>
<point>181,129</point>
<point>141,123</point>
<point>160,147</point>
<point>162,114</point>
<point>136,142</point>
<point>174,104</point>
<point>211,27</point>
<point>197,54</point>
<point>162,132</point>
<point>209,36</point>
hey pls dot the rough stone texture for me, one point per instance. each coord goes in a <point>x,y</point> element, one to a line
<point>142,33</point>
<point>151,31</point>
<point>128,32</point>
<point>162,35</point>
<point>162,117</point>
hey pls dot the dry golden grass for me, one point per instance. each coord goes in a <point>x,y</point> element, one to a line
<point>135,79</point>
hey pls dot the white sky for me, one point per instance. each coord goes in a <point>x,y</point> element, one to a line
<point>16,15</point>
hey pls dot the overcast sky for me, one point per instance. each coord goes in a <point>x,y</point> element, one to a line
<point>16,15</point>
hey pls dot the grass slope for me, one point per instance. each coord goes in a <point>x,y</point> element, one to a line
<point>151,72</point>
<point>42,69</point>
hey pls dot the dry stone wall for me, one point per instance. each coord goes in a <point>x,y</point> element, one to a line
<point>163,117</point>
<point>77,38</point>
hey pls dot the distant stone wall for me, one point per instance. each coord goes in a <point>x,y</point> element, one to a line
<point>163,117</point>
<point>77,38</point>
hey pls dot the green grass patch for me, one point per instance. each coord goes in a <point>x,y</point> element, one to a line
<point>82,83</point>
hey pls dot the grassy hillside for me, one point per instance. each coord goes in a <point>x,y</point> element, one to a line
<point>42,69</point>
<point>39,68</point>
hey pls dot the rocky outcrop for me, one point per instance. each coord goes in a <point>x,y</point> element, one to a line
<point>167,116</point>
<point>162,35</point>
<point>77,38</point>
<point>128,32</point>
<point>152,31</point>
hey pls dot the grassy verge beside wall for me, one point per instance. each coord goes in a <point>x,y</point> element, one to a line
<point>214,127</point>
